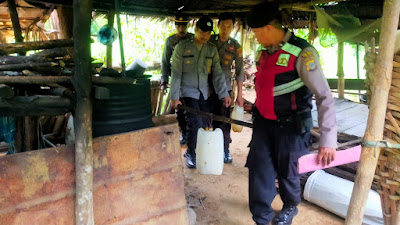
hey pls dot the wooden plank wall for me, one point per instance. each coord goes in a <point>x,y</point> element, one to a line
<point>138,179</point>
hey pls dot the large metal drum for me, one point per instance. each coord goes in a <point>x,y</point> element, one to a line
<point>127,109</point>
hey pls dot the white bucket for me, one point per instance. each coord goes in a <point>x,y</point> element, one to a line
<point>333,194</point>
<point>210,151</point>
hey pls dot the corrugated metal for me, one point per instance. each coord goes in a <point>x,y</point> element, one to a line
<point>128,109</point>
<point>131,186</point>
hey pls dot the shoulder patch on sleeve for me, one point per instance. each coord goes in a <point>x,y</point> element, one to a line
<point>240,52</point>
<point>309,59</point>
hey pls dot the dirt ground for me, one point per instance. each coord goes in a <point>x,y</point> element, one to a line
<point>223,200</point>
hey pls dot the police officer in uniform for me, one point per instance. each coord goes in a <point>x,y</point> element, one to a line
<point>288,74</point>
<point>193,59</point>
<point>181,22</point>
<point>229,50</point>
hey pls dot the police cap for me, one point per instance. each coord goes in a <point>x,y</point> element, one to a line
<point>205,24</point>
<point>181,19</point>
<point>263,14</point>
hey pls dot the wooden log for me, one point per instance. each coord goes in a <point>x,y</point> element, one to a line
<point>83,114</point>
<point>374,132</point>
<point>6,92</point>
<point>29,65</point>
<point>34,79</point>
<point>10,48</point>
<point>35,106</point>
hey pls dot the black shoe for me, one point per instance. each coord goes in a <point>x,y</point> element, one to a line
<point>190,160</point>
<point>183,140</point>
<point>227,157</point>
<point>285,217</point>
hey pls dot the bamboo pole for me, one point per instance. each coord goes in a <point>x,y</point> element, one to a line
<point>374,131</point>
<point>121,43</point>
<point>83,114</point>
<point>111,15</point>
<point>340,72</point>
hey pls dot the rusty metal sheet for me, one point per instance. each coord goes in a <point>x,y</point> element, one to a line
<point>138,179</point>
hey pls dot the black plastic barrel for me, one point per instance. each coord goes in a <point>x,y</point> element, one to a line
<point>128,109</point>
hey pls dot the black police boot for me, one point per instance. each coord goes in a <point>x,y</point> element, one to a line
<point>183,139</point>
<point>227,157</point>
<point>190,160</point>
<point>285,217</point>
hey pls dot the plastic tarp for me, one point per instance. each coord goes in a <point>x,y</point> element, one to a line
<point>346,28</point>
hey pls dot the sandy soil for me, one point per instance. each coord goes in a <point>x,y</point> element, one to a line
<point>223,200</point>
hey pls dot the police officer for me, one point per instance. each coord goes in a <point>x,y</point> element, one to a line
<point>192,61</point>
<point>288,74</point>
<point>181,21</point>
<point>229,50</point>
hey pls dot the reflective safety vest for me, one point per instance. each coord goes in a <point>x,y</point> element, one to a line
<point>280,91</point>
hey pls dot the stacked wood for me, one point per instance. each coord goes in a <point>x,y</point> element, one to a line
<point>387,173</point>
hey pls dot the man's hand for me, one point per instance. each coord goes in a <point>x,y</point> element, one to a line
<point>227,101</point>
<point>175,103</point>
<point>240,100</point>
<point>164,87</point>
<point>326,155</point>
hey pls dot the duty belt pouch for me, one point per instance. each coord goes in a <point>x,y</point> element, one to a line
<point>304,122</point>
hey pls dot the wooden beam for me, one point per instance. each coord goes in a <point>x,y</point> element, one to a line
<point>382,73</point>
<point>340,71</point>
<point>10,48</point>
<point>35,106</point>
<point>82,82</point>
<point>34,79</point>
<point>12,8</point>
<point>111,15</point>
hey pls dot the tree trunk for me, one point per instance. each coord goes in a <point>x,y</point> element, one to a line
<point>82,82</point>
<point>374,131</point>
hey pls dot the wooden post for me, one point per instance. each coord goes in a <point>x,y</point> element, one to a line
<point>340,72</point>
<point>111,15</point>
<point>83,114</point>
<point>374,132</point>
<point>66,21</point>
<point>15,20</point>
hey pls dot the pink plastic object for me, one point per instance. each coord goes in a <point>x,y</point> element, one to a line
<point>308,162</point>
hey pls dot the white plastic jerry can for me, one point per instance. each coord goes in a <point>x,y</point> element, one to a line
<point>210,151</point>
<point>237,114</point>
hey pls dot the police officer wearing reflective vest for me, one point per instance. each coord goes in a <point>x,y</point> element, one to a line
<point>229,51</point>
<point>193,59</point>
<point>288,74</point>
<point>181,22</point>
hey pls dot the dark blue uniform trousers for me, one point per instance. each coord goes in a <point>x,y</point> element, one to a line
<point>194,122</point>
<point>217,107</point>
<point>274,150</point>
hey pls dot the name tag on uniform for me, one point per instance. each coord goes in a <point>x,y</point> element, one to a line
<point>283,60</point>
